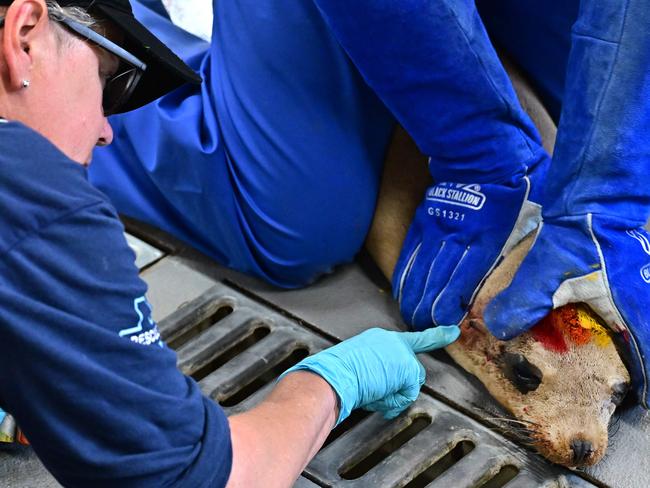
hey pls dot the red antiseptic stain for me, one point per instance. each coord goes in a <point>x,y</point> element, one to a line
<point>549,335</point>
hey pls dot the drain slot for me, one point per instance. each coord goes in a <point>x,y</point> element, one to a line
<point>264,378</point>
<point>376,456</point>
<point>246,342</point>
<point>221,313</point>
<point>505,475</point>
<point>460,450</point>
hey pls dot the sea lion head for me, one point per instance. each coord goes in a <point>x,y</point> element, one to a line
<point>562,380</point>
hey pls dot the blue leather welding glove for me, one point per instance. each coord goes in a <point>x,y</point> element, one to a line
<point>592,247</point>
<point>459,233</point>
<point>377,370</point>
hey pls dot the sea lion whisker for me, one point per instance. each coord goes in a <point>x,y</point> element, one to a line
<point>511,420</point>
<point>519,429</point>
<point>523,434</point>
<point>613,428</point>
<point>531,445</point>
<point>515,428</point>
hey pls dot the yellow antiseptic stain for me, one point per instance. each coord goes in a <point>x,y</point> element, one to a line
<point>587,320</point>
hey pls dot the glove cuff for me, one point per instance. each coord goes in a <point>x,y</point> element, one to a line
<point>506,175</point>
<point>344,409</point>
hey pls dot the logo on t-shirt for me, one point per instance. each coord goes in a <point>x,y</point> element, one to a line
<point>146,332</point>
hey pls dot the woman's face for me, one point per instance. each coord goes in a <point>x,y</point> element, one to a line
<point>68,85</point>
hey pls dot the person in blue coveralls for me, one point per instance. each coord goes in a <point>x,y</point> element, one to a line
<point>83,368</point>
<point>272,166</point>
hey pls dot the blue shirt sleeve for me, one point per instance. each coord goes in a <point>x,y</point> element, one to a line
<point>84,371</point>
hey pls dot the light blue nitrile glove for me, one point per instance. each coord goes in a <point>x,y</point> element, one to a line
<point>377,370</point>
<point>458,234</point>
<point>592,247</point>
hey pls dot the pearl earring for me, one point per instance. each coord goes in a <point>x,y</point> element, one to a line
<point>25,83</point>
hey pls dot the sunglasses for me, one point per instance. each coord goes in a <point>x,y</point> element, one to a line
<point>121,85</point>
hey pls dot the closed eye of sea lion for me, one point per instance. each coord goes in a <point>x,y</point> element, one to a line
<point>562,379</point>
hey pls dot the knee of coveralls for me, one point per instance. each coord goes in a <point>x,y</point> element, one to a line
<point>302,230</point>
<point>286,217</point>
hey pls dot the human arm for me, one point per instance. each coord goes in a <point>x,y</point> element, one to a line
<point>83,367</point>
<point>592,247</point>
<point>273,442</point>
<point>109,398</point>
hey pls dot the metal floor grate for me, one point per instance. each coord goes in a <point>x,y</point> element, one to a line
<point>236,347</point>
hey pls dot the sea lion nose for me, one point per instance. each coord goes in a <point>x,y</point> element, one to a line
<point>582,450</point>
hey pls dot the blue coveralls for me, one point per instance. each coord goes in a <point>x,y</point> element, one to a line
<point>272,167</point>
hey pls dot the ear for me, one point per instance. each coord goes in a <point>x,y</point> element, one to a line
<point>26,22</point>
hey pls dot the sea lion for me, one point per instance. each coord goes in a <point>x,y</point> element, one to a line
<point>564,378</point>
